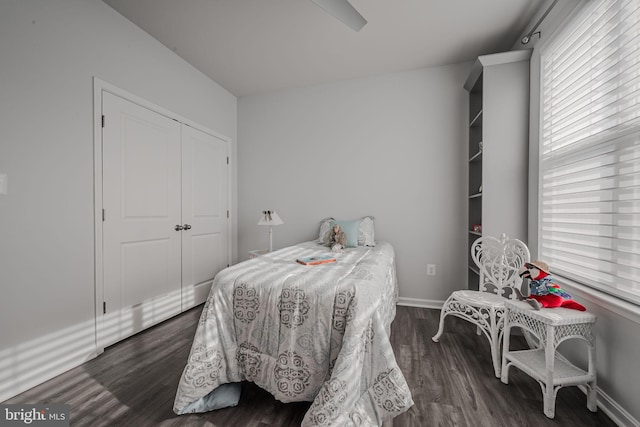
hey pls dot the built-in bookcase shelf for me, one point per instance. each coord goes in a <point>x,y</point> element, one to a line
<point>477,120</point>
<point>498,148</point>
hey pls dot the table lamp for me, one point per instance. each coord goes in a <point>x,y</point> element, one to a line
<point>270,218</point>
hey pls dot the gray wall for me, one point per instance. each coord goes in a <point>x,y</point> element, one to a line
<point>390,146</point>
<point>49,52</point>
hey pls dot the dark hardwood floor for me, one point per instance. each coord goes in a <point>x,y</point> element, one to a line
<point>134,383</point>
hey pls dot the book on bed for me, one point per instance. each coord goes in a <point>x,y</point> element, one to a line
<point>316,259</point>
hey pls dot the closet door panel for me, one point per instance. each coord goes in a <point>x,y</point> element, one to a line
<point>204,209</point>
<point>141,199</point>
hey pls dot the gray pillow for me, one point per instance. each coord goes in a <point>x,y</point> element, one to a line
<point>325,228</point>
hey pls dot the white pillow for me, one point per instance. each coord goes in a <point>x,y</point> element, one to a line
<point>325,228</point>
<point>366,232</point>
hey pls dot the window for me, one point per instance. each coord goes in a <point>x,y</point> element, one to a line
<point>589,185</point>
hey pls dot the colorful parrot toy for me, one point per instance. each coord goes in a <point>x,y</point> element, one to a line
<point>543,292</point>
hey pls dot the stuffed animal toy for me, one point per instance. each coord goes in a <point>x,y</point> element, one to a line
<point>543,292</point>
<point>337,239</point>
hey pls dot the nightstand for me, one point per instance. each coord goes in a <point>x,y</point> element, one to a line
<point>257,253</point>
<point>550,326</point>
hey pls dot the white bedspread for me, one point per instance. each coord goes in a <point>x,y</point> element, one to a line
<point>304,333</point>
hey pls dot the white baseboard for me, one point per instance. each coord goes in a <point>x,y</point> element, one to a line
<point>30,363</point>
<point>422,303</point>
<point>617,413</point>
<point>23,381</point>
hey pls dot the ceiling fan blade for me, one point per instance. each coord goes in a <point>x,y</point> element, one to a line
<point>343,11</point>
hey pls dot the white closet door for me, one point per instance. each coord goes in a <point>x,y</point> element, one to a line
<point>205,196</point>
<point>141,198</point>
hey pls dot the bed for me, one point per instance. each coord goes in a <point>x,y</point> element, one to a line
<point>304,333</point>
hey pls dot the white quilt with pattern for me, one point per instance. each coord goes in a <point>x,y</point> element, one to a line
<point>304,333</point>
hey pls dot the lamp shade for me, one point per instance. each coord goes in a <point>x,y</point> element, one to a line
<point>270,218</point>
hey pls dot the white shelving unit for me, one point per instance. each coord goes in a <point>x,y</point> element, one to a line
<point>498,87</point>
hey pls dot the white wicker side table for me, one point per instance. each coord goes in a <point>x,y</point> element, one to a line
<point>551,326</point>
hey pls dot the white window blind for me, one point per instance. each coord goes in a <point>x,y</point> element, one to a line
<point>589,210</point>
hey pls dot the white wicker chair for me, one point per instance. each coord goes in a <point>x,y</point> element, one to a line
<point>498,261</point>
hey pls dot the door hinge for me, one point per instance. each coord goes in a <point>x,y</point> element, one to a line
<point>104,215</point>
<point>104,307</point>
<point>227,159</point>
<point>227,213</point>
<point>103,120</point>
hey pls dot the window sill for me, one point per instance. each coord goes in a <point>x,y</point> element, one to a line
<point>615,305</point>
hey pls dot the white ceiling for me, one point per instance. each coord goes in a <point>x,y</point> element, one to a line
<point>254,46</point>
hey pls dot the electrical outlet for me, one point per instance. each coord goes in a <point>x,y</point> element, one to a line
<point>431,269</point>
